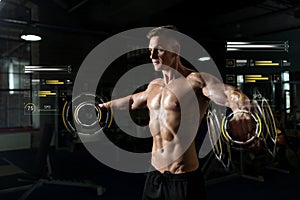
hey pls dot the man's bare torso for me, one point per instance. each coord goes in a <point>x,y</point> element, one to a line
<point>168,153</point>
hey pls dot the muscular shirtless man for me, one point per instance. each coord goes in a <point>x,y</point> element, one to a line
<point>178,175</point>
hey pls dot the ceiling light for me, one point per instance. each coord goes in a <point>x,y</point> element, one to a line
<point>205,58</point>
<point>31,34</point>
<point>30,37</point>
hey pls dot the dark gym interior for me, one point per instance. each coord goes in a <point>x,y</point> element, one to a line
<point>254,46</point>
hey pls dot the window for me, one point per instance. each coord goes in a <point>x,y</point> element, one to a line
<point>14,86</point>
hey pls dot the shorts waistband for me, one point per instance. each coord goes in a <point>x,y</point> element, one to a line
<point>180,175</point>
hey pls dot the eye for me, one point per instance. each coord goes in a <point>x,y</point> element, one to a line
<point>156,49</point>
<point>159,48</point>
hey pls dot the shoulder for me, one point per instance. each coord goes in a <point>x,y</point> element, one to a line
<point>204,77</point>
<point>196,78</point>
<point>156,82</point>
<point>198,75</point>
<point>194,75</point>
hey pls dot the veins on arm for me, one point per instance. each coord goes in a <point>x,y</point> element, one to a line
<point>224,94</point>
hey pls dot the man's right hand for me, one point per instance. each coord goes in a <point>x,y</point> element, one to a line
<point>241,126</point>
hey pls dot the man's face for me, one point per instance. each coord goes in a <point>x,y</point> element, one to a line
<point>161,53</point>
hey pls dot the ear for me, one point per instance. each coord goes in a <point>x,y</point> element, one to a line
<point>177,57</point>
<point>177,48</point>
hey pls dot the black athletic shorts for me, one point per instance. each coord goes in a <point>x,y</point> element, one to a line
<point>167,186</point>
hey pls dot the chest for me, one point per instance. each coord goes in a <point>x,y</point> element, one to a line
<point>170,97</point>
<point>163,98</point>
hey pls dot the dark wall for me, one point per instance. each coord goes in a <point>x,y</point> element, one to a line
<point>66,48</point>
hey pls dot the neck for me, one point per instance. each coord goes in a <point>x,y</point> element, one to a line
<point>172,73</point>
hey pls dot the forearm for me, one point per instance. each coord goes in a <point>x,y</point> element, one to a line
<point>228,96</point>
<point>119,104</point>
<point>131,102</point>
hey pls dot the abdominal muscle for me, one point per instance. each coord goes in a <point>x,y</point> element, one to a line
<point>168,152</point>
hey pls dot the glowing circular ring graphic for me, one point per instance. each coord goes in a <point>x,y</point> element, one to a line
<point>226,132</point>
